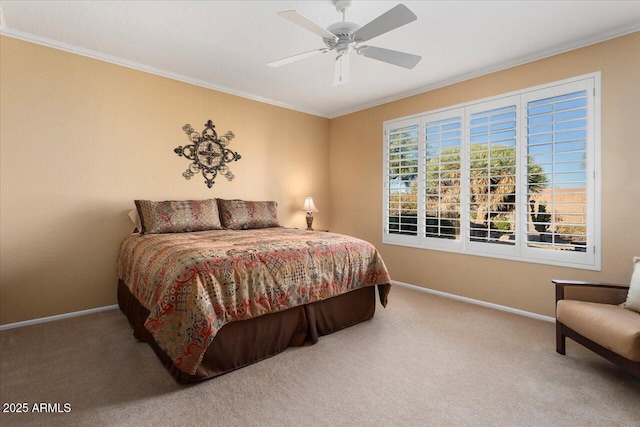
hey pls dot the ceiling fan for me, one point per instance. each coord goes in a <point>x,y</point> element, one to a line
<point>346,37</point>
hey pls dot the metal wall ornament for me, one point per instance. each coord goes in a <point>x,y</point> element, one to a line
<point>208,153</point>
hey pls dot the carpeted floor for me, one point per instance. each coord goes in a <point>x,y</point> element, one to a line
<point>423,361</point>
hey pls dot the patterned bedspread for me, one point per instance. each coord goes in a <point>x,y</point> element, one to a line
<point>195,283</point>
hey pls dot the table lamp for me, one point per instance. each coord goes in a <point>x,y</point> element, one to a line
<point>309,208</point>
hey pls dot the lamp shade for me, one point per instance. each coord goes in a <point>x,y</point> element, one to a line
<point>309,206</point>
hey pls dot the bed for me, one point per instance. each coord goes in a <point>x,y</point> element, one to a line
<point>212,301</point>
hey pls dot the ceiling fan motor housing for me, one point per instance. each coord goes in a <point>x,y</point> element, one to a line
<point>344,33</point>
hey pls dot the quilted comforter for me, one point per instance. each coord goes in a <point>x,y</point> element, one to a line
<point>195,283</point>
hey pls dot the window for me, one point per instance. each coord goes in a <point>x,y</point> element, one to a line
<point>514,176</point>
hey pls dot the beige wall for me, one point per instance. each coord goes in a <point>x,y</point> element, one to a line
<point>81,139</point>
<point>356,142</point>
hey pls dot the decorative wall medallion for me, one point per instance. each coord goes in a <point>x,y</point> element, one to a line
<point>208,153</point>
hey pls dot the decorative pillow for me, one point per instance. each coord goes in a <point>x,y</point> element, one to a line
<point>243,215</point>
<point>135,219</point>
<point>633,296</point>
<point>178,216</point>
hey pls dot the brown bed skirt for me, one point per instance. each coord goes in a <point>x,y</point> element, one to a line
<point>238,344</point>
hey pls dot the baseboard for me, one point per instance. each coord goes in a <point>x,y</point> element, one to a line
<point>56,317</point>
<point>477,302</point>
<point>393,282</point>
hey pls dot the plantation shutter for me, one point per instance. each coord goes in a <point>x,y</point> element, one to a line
<point>559,140</point>
<point>402,161</point>
<point>443,134</point>
<point>491,200</point>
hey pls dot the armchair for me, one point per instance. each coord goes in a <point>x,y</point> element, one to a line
<point>593,318</point>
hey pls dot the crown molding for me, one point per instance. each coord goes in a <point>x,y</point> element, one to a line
<point>9,32</point>
<point>2,24</point>
<point>587,41</point>
<point>567,47</point>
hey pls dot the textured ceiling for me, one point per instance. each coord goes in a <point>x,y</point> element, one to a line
<point>226,45</point>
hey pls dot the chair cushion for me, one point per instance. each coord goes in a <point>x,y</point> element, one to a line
<point>611,326</point>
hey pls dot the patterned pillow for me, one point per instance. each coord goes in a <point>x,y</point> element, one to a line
<point>178,216</point>
<point>243,215</point>
<point>135,219</point>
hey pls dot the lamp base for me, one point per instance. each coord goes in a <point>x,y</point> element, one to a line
<point>309,220</point>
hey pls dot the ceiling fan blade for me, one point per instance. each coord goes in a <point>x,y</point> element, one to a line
<point>341,71</point>
<point>296,18</point>
<point>393,18</point>
<point>401,59</point>
<point>297,57</point>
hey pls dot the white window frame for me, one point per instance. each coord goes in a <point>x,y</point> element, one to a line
<point>521,251</point>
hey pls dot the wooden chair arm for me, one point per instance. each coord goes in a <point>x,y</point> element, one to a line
<point>561,284</point>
